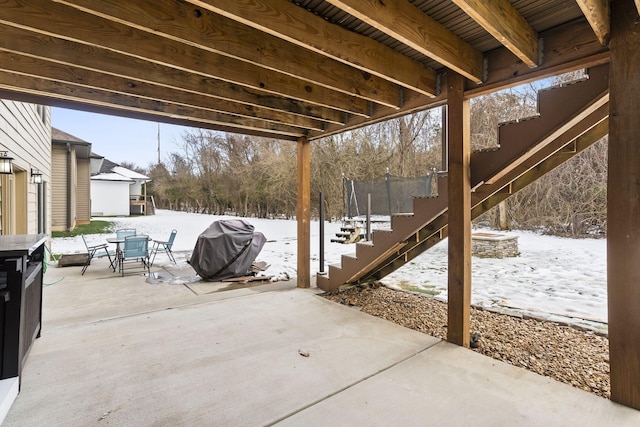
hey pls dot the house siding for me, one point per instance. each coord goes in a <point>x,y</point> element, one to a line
<point>25,132</point>
<point>59,188</point>
<point>73,176</point>
<point>71,165</point>
<point>83,202</point>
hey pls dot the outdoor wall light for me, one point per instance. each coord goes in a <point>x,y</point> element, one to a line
<point>36,176</point>
<point>6,163</point>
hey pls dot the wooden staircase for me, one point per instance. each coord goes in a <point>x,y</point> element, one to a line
<point>570,119</point>
<point>350,232</point>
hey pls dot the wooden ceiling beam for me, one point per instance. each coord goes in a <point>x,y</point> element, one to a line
<point>98,59</point>
<point>412,104</point>
<point>69,23</point>
<point>11,61</point>
<point>568,47</point>
<point>500,19</point>
<point>597,13</point>
<point>203,29</point>
<point>285,20</point>
<point>405,22</point>
<point>37,86</point>
<point>152,60</point>
<point>112,111</point>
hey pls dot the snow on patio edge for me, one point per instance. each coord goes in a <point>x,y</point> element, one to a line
<point>554,278</point>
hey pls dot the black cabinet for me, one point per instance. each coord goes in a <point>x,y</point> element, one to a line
<point>21,273</point>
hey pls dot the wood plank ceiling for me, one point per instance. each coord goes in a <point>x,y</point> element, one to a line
<point>284,69</point>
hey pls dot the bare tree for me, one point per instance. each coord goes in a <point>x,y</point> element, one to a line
<point>220,173</point>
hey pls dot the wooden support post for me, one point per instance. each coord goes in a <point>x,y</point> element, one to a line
<point>304,213</point>
<point>445,154</point>
<point>459,187</point>
<point>144,207</point>
<point>623,205</point>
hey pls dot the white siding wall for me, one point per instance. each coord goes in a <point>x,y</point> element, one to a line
<point>109,198</point>
<point>136,188</point>
<point>25,132</point>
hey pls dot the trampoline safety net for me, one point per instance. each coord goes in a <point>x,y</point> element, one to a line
<point>389,194</point>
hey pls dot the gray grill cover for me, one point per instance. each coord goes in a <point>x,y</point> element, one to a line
<point>226,249</point>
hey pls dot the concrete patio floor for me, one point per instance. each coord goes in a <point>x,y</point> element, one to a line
<point>123,351</point>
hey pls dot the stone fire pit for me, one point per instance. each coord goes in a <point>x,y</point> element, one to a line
<point>494,245</point>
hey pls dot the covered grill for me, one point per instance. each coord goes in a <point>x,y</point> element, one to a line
<point>227,248</point>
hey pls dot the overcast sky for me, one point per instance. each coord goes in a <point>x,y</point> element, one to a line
<point>120,139</point>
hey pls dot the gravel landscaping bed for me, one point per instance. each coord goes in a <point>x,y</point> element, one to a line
<point>573,356</point>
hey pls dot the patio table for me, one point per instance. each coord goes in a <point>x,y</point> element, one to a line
<point>117,241</point>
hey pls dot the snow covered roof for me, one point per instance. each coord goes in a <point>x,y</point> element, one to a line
<point>129,173</point>
<point>111,176</point>
<point>110,171</point>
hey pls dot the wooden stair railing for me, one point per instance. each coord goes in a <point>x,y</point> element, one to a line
<point>571,118</point>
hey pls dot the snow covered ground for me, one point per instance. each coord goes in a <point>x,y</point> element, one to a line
<point>554,278</point>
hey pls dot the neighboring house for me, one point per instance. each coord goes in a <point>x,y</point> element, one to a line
<point>117,191</point>
<point>70,181</point>
<point>25,136</point>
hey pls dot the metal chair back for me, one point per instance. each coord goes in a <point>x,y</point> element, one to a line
<point>171,238</point>
<point>160,245</point>
<point>124,232</point>
<point>86,245</point>
<point>136,247</point>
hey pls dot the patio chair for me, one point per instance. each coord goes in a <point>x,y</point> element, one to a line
<point>97,251</point>
<point>164,245</point>
<point>134,251</point>
<point>120,236</point>
<point>124,232</point>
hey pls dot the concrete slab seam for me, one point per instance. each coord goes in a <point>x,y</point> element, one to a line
<point>330,395</point>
